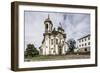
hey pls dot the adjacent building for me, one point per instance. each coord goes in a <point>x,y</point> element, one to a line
<point>84,43</point>
<point>54,39</point>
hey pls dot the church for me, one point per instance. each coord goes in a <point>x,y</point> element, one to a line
<point>54,39</point>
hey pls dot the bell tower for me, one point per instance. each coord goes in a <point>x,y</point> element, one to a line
<point>48,25</point>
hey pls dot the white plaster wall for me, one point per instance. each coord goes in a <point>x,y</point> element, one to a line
<point>80,43</point>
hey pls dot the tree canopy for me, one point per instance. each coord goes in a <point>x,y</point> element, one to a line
<point>31,51</point>
<point>71,45</point>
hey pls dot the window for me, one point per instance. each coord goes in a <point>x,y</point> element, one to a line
<point>88,43</point>
<point>85,39</point>
<point>51,41</point>
<point>79,45</point>
<point>85,44</point>
<point>82,44</point>
<point>88,38</point>
<point>46,26</point>
<point>82,40</point>
<point>54,51</point>
<point>56,41</point>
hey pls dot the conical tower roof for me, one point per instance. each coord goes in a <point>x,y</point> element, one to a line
<point>48,20</point>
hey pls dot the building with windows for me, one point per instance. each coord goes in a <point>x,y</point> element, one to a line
<point>54,39</point>
<point>84,43</point>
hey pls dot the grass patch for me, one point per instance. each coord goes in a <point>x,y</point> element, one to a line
<point>56,57</point>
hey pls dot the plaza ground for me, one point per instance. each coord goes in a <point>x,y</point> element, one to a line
<point>58,57</point>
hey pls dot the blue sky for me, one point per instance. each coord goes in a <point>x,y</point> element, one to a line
<point>75,25</point>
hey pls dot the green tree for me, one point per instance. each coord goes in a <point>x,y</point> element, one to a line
<point>71,45</point>
<point>31,51</point>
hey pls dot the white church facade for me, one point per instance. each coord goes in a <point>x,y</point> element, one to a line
<point>54,40</point>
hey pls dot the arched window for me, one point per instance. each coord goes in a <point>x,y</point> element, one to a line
<point>51,41</point>
<point>46,26</point>
<point>56,41</point>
